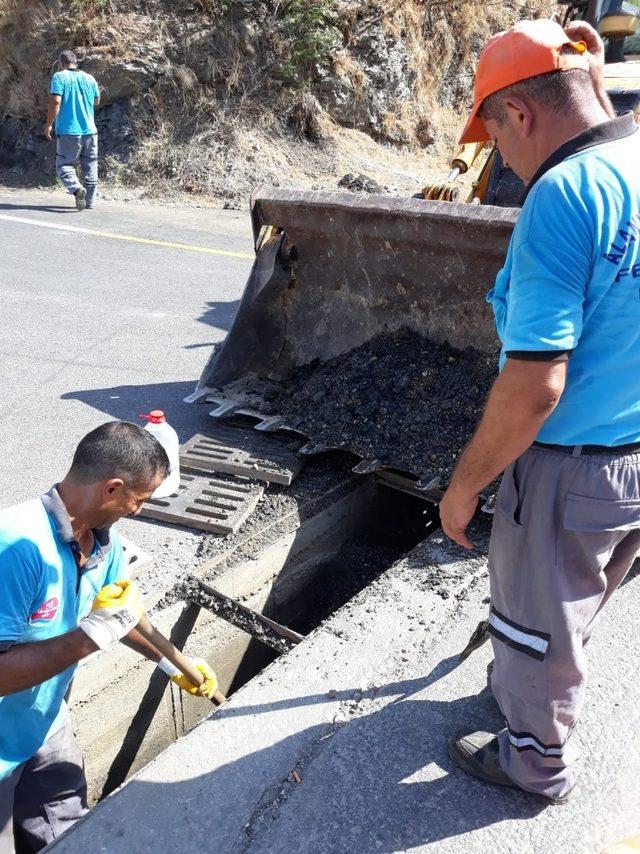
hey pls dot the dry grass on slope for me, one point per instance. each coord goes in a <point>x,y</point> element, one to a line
<point>221,94</point>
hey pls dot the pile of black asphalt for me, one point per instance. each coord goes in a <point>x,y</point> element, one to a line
<point>400,398</point>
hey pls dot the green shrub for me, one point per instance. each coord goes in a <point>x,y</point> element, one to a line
<point>313,31</point>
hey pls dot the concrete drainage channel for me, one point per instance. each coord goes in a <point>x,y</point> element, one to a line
<point>124,711</point>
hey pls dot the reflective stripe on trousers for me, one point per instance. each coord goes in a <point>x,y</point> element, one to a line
<point>566,532</point>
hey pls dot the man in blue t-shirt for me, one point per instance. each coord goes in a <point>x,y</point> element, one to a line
<point>64,594</point>
<point>73,95</point>
<point>563,418</point>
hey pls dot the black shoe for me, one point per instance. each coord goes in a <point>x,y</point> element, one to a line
<point>478,755</point>
<point>81,198</point>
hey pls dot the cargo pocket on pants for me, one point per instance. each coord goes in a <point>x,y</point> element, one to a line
<point>508,503</point>
<point>593,527</point>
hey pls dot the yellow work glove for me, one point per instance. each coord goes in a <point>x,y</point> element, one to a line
<point>207,688</point>
<point>116,609</point>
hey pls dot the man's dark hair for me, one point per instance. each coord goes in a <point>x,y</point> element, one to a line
<point>68,57</point>
<point>561,92</point>
<point>119,449</point>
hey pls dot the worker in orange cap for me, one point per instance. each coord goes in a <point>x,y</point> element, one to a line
<point>562,421</point>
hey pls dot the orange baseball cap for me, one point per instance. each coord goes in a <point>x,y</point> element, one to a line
<point>526,50</point>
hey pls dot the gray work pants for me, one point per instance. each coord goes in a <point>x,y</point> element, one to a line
<point>44,796</point>
<point>566,532</point>
<point>69,150</point>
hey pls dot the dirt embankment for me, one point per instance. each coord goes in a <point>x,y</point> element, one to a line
<point>213,96</point>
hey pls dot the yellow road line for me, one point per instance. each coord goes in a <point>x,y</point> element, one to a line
<point>167,244</point>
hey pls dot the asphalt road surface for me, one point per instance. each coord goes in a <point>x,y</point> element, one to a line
<point>105,314</point>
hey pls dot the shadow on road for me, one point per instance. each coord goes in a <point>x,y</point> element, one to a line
<point>220,314</point>
<point>126,402</point>
<point>70,208</point>
<point>379,782</point>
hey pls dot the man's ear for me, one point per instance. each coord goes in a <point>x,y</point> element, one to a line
<point>112,487</point>
<point>519,115</point>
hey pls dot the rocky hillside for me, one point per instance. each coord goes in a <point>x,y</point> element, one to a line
<point>214,96</point>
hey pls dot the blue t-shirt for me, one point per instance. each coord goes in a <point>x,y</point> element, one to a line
<point>79,91</point>
<point>571,282</point>
<point>43,595</point>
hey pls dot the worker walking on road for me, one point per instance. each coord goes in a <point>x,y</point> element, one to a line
<point>562,420</point>
<point>64,595</point>
<point>73,96</point>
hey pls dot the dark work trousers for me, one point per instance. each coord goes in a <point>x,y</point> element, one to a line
<point>566,532</point>
<point>69,150</point>
<point>44,796</point>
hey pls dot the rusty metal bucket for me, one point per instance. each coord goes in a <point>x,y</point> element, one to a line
<point>334,269</point>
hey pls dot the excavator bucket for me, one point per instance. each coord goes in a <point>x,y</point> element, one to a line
<point>332,270</point>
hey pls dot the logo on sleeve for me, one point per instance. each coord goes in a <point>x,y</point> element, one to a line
<point>46,611</point>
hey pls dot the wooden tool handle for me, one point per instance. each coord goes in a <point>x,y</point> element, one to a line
<point>170,652</point>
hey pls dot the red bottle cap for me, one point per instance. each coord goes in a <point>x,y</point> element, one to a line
<point>156,416</point>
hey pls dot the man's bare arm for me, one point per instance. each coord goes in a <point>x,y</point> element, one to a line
<point>52,111</point>
<point>138,643</point>
<point>27,664</point>
<point>522,398</point>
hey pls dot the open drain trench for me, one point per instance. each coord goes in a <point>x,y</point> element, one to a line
<point>327,575</point>
<point>298,580</point>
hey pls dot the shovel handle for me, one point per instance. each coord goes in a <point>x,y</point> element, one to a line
<point>170,652</point>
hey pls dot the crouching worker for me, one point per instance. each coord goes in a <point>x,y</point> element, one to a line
<point>64,594</point>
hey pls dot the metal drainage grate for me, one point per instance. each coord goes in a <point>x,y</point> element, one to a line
<point>210,504</point>
<point>243,452</point>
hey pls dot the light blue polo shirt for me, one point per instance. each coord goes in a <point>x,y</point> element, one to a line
<point>571,284</point>
<point>79,91</point>
<point>43,594</point>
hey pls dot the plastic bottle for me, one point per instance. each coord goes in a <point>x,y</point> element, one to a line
<point>168,438</point>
